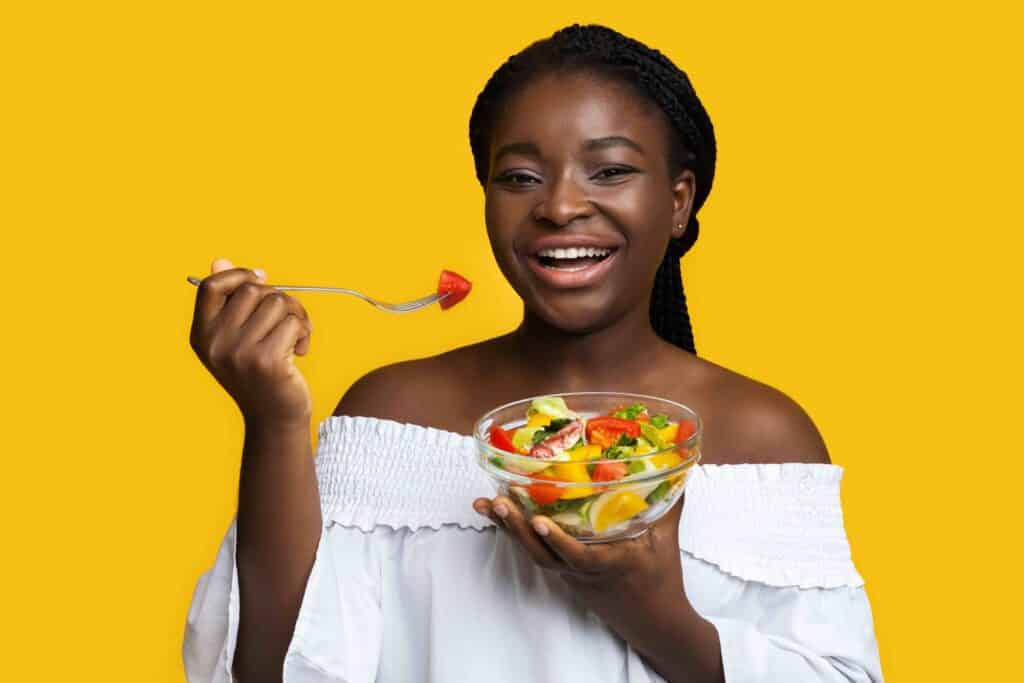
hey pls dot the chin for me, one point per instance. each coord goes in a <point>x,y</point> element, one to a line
<point>572,314</point>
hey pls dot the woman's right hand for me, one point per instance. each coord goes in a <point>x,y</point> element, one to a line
<point>246,334</point>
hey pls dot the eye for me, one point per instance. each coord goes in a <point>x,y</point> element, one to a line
<point>613,172</point>
<point>516,178</point>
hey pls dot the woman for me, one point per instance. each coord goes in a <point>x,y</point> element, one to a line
<point>585,139</point>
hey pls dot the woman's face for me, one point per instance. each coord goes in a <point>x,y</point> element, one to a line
<point>579,202</point>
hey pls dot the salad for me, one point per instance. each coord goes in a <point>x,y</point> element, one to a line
<point>583,468</point>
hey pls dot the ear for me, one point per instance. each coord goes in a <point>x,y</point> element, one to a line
<point>683,189</point>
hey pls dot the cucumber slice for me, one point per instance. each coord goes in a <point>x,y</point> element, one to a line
<point>658,493</point>
<point>523,437</point>
<point>652,434</point>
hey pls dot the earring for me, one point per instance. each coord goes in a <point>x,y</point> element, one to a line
<point>680,226</point>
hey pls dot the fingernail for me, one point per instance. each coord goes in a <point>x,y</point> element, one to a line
<point>501,511</point>
<point>260,273</point>
<point>481,508</point>
<point>221,263</point>
<point>541,528</point>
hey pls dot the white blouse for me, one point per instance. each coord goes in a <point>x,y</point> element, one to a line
<point>410,584</point>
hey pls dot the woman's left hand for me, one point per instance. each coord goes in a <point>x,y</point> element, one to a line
<point>635,586</point>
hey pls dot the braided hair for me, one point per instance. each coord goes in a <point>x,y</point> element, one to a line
<point>602,51</point>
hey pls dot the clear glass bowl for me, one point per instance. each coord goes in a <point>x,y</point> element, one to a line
<point>592,511</point>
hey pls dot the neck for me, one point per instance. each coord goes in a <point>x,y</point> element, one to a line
<point>608,358</point>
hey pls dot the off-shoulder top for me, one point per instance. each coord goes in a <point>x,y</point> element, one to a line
<point>411,584</point>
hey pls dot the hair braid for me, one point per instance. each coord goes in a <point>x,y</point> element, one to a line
<point>603,51</point>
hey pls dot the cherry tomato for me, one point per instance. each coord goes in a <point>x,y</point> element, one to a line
<point>609,471</point>
<point>686,430</point>
<point>605,431</point>
<point>544,494</point>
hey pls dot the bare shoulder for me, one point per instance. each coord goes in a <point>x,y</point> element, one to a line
<point>752,422</point>
<point>429,391</point>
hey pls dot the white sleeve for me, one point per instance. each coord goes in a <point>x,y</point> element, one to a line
<point>766,546</point>
<point>338,632</point>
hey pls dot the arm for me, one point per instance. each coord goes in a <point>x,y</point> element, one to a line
<point>278,532</point>
<point>246,334</point>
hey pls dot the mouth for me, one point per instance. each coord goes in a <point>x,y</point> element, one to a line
<point>572,266</point>
<point>572,259</point>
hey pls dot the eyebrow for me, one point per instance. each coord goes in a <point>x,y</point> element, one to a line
<point>530,149</point>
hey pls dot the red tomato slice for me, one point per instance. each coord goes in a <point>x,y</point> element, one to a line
<point>454,283</point>
<point>544,494</point>
<point>686,430</point>
<point>500,439</point>
<point>609,471</point>
<point>605,431</point>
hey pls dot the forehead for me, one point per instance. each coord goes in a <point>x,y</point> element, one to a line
<point>559,109</point>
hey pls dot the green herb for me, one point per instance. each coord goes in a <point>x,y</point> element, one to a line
<point>624,440</point>
<point>617,452</point>
<point>539,436</point>
<point>631,413</point>
<point>498,462</point>
<point>660,421</point>
<point>658,493</point>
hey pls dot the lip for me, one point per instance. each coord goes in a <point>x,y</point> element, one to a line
<point>561,279</point>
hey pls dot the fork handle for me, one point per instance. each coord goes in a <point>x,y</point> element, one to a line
<point>294,288</point>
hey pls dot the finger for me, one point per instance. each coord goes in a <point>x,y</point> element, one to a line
<point>517,525</point>
<point>244,301</point>
<point>269,312</point>
<point>483,507</point>
<point>270,309</point>
<point>281,341</point>
<point>220,264</point>
<point>214,291</point>
<point>577,556</point>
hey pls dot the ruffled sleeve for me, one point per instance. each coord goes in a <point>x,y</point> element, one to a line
<point>337,634</point>
<point>767,548</point>
<point>374,476</point>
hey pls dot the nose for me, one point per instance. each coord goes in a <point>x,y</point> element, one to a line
<point>564,202</point>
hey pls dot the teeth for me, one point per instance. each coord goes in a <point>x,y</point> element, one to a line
<point>574,252</point>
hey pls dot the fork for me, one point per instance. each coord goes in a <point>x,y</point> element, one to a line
<point>406,307</point>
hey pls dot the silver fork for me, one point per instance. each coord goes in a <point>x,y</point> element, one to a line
<point>406,307</point>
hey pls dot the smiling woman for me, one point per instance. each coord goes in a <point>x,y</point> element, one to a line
<point>594,154</point>
<point>658,152</point>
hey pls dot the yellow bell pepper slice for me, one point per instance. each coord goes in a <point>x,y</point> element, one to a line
<point>669,433</point>
<point>539,420</point>
<point>667,460</point>
<point>575,472</point>
<point>588,452</point>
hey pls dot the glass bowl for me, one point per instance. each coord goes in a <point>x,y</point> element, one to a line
<point>591,496</point>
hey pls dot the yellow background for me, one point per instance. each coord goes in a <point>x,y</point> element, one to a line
<point>860,251</point>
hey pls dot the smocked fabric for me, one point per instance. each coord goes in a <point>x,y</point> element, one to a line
<point>378,472</point>
<point>410,584</point>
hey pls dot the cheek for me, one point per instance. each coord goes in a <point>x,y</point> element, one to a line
<point>503,218</point>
